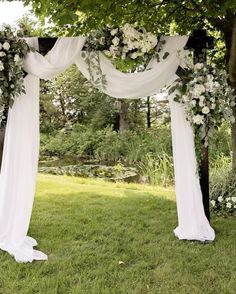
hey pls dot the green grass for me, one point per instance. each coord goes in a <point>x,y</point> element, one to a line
<point>86,227</point>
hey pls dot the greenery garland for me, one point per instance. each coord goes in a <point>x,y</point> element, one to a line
<point>12,52</point>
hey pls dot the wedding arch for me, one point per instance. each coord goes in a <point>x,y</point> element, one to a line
<point>21,147</point>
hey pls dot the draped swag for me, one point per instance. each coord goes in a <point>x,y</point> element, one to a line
<point>21,148</point>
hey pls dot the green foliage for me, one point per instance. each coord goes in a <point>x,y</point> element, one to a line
<point>156,15</point>
<point>70,99</point>
<point>222,186</point>
<point>107,145</point>
<point>158,169</point>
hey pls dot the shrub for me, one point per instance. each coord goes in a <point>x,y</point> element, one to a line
<point>222,186</point>
<point>158,169</point>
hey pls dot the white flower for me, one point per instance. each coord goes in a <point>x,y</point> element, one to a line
<point>227,199</point>
<point>134,55</point>
<point>1,66</point>
<point>6,46</point>
<point>114,32</point>
<point>199,65</point>
<point>213,106</point>
<point>201,103</point>
<point>220,199</point>
<point>0,46</point>
<point>17,59</point>
<point>209,86</point>
<point>213,203</point>
<point>228,205</point>
<point>198,119</point>
<point>210,77</point>
<point>205,110</point>
<point>233,199</point>
<point>116,41</point>
<point>193,102</point>
<point>2,54</point>
<point>198,90</point>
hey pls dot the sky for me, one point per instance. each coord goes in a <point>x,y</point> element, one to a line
<point>10,12</point>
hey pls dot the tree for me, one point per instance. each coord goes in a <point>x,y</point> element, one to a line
<point>160,16</point>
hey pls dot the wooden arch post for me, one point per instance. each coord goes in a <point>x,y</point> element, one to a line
<point>200,43</point>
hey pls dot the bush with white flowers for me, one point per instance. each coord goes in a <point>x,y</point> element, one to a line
<point>207,97</point>
<point>12,52</point>
<point>223,192</point>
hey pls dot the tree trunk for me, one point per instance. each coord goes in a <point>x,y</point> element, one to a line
<point>123,108</point>
<point>148,113</point>
<point>232,80</point>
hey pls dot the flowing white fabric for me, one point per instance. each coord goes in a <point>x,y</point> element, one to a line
<point>193,224</point>
<point>17,180</point>
<point>136,85</point>
<point>18,173</point>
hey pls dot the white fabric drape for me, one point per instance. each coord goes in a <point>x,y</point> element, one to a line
<point>22,136</point>
<point>18,172</point>
<point>193,224</point>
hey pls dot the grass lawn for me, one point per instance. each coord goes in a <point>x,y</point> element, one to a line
<point>87,227</point>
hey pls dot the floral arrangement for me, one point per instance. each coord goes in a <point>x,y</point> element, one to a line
<point>207,97</point>
<point>129,49</point>
<point>128,43</point>
<point>12,52</point>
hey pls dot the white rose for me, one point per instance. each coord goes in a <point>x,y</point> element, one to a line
<point>198,119</point>
<point>6,46</point>
<point>228,205</point>
<point>114,32</point>
<point>199,65</point>
<point>220,199</point>
<point>205,110</point>
<point>2,54</point>
<point>233,199</point>
<point>227,199</point>
<point>213,106</point>
<point>134,55</point>
<point>210,77</point>
<point>116,41</point>
<point>198,90</point>
<point>213,203</point>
